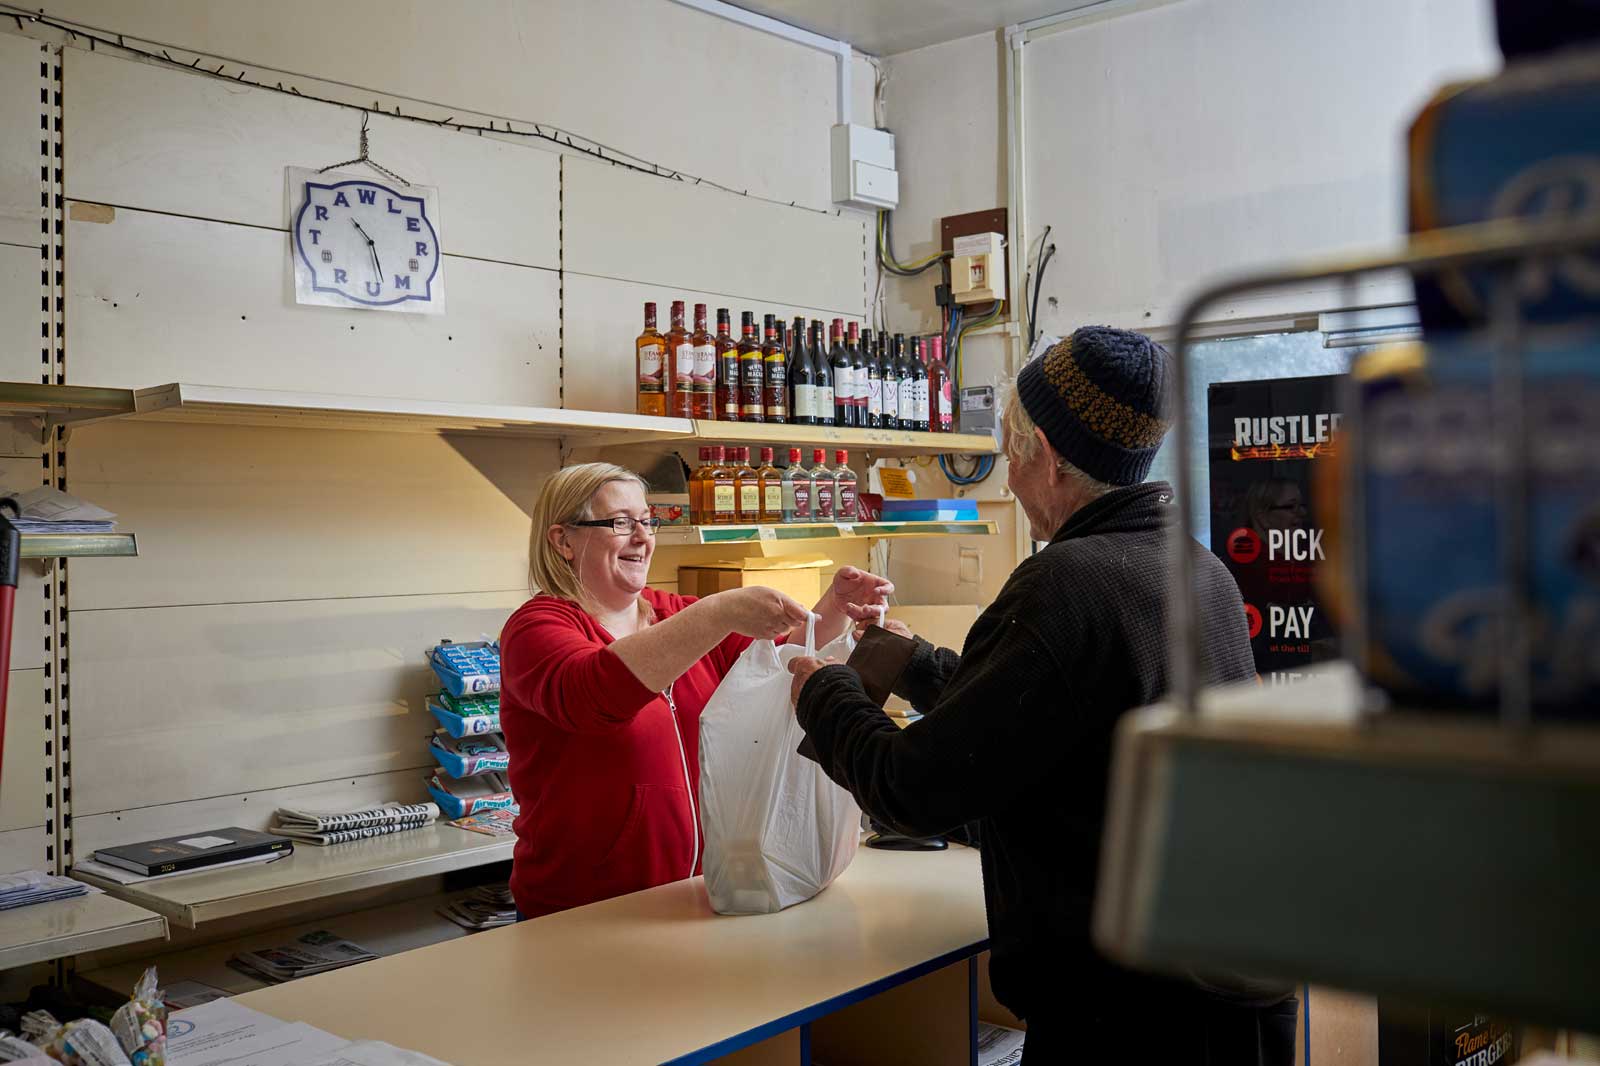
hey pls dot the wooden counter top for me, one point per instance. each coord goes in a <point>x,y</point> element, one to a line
<point>655,976</point>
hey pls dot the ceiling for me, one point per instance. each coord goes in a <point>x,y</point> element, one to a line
<point>884,27</point>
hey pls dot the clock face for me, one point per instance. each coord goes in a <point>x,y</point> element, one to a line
<point>361,243</point>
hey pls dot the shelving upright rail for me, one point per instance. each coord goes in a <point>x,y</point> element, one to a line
<point>1320,836</point>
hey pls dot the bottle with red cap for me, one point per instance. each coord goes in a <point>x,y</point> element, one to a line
<point>650,355</point>
<point>844,377</point>
<point>941,415</point>
<point>844,488</point>
<point>796,490</point>
<point>720,490</point>
<point>680,367</point>
<point>698,490</point>
<point>822,487</point>
<point>858,375</point>
<point>770,481</point>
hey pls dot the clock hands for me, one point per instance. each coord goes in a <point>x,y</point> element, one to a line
<point>371,247</point>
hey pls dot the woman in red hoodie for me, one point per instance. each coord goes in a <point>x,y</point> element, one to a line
<point>602,685</point>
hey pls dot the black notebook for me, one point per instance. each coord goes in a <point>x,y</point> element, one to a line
<point>192,851</point>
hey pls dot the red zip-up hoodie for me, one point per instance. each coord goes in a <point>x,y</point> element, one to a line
<point>606,772</point>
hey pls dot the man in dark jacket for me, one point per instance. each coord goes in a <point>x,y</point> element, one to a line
<point>1018,728</point>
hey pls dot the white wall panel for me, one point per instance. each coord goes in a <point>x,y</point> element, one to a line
<point>238,514</point>
<point>22,786</point>
<point>1173,145</point>
<point>154,298</point>
<point>247,810</point>
<point>22,849</point>
<point>20,134</point>
<point>19,314</point>
<point>603,316</point>
<point>170,704</point>
<point>159,139</point>
<point>620,224</point>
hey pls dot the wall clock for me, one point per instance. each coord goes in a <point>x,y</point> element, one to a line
<point>363,243</point>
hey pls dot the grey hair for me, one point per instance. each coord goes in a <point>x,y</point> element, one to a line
<point>1021,443</point>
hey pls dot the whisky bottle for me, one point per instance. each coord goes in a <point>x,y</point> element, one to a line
<point>705,367</point>
<point>727,356</point>
<point>649,353</point>
<point>752,376</point>
<point>680,367</point>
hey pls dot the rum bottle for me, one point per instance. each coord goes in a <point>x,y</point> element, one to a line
<point>751,377</point>
<point>727,356</point>
<point>775,370</point>
<point>650,352</point>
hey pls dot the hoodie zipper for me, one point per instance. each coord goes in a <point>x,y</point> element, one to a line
<point>688,786</point>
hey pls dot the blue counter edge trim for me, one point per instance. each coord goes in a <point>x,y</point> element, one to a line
<point>828,1006</point>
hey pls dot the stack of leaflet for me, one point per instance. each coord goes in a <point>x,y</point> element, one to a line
<point>48,510</point>
<point>316,952</point>
<point>488,907</point>
<point>468,745</point>
<point>930,510</point>
<point>28,887</point>
<point>337,827</point>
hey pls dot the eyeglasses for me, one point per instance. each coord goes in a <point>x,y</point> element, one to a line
<point>622,525</point>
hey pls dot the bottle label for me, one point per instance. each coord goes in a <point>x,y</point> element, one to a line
<point>891,397</point>
<point>777,388</point>
<point>824,502</point>
<point>919,400</point>
<point>705,367</point>
<point>802,500</point>
<point>824,401</point>
<point>749,500</point>
<point>774,501</point>
<point>847,502</point>
<point>874,397</point>
<point>908,400</point>
<point>722,499</point>
<point>945,410</point>
<point>805,401</point>
<point>683,368</point>
<point>650,376</point>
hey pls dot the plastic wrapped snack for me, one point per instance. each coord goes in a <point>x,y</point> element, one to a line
<point>14,1049</point>
<point>85,1042</point>
<point>140,1024</point>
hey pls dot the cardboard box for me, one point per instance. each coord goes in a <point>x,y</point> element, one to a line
<point>800,580</point>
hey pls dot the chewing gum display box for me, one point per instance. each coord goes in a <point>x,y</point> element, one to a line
<point>1428,454</point>
<point>1523,144</point>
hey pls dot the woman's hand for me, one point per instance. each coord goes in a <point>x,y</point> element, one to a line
<point>893,625</point>
<point>762,613</point>
<point>854,596</point>
<point>802,669</point>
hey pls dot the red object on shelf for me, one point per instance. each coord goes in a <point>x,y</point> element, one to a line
<point>869,506</point>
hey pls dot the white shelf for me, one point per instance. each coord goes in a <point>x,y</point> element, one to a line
<point>312,872</point>
<point>267,407</point>
<point>386,930</point>
<point>63,404</point>
<point>875,442</point>
<point>65,927</point>
<point>803,532</point>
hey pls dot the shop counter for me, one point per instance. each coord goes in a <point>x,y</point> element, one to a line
<point>884,959</point>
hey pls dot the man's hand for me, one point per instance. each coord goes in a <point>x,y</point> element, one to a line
<point>856,593</point>
<point>893,625</point>
<point>802,669</point>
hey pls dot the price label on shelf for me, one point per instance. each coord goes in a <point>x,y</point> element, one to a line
<point>767,533</point>
<point>846,529</point>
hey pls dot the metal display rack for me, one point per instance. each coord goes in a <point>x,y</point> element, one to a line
<point>1304,832</point>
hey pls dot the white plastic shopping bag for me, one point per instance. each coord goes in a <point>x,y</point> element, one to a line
<point>777,831</point>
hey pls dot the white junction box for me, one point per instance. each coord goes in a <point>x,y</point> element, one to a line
<point>978,268</point>
<point>863,167</point>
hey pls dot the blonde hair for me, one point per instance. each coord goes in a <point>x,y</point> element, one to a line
<point>567,497</point>
<point>1023,444</point>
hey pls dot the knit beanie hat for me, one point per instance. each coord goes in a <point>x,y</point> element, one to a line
<point>1101,398</point>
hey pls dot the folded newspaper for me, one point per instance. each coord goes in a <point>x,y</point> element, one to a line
<point>488,907</point>
<point>316,952</point>
<point>337,827</point>
<point>48,510</point>
<point>27,887</point>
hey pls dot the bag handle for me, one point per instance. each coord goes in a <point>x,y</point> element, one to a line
<point>811,634</point>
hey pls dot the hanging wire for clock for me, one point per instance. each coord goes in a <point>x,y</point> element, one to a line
<point>365,157</point>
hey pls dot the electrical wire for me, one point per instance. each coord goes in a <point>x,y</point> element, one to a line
<point>1038,284</point>
<point>982,465</point>
<point>886,257</point>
